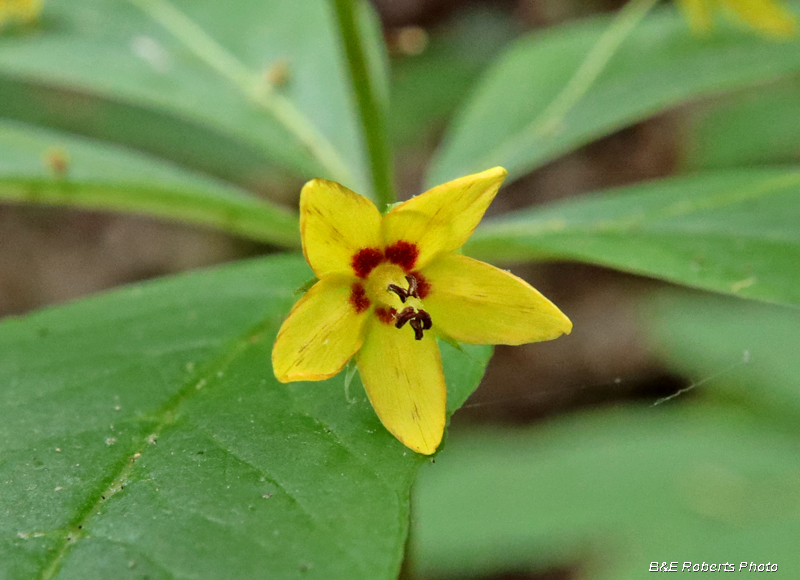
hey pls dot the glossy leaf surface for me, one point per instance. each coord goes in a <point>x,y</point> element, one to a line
<point>144,435</point>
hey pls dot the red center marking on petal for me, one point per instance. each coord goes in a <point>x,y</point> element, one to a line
<point>365,260</point>
<point>386,315</point>
<point>358,298</point>
<point>404,254</point>
<point>423,286</point>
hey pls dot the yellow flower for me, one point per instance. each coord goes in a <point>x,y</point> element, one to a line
<point>389,285</point>
<point>21,10</point>
<point>766,16</point>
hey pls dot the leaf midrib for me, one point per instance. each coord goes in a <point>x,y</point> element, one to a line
<point>165,416</point>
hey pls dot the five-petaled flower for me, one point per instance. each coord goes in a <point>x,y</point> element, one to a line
<point>21,10</point>
<point>390,285</point>
<point>769,17</point>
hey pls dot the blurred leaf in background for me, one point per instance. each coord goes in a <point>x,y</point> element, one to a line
<point>733,232</point>
<point>610,493</point>
<point>752,127</point>
<point>428,87</point>
<point>660,65</point>
<point>196,83</point>
<point>748,351</point>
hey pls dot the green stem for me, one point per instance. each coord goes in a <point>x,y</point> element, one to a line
<point>248,218</point>
<point>373,121</point>
<point>594,64</point>
<point>255,86</point>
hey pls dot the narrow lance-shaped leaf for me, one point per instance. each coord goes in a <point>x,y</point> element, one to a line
<point>268,75</point>
<point>144,434</point>
<point>47,167</point>
<point>733,232</point>
<point>660,65</point>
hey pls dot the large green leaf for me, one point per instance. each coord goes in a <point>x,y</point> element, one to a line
<point>612,493</point>
<point>734,232</point>
<point>95,175</point>
<point>659,66</point>
<point>732,347</point>
<point>144,436</point>
<point>211,80</point>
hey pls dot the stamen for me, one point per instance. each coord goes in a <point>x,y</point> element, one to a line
<point>419,320</point>
<point>412,286</point>
<point>417,326</point>
<point>402,294</point>
<point>427,323</point>
<point>407,314</point>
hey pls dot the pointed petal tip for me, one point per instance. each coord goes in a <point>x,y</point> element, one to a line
<point>423,450</point>
<point>293,377</point>
<point>567,324</point>
<point>422,445</point>
<point>497,173</point>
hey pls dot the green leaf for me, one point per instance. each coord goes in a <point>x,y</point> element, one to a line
<point>47,167</point>
<point>204,65</point>
<point>660,65</point>
<point>181,141</point>
<point>611,493</point>
<point>737,349</point>
<point>144,435</point>
<point>733,232</point>
<point>755,127</point>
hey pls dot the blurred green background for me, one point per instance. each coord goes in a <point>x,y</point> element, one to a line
<point>665,428</point>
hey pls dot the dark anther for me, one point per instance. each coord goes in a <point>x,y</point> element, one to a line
<point>407,314</point>
<point>419,320</point>
<point>412,286</point>
<point>403,294</point>
<point>427,323</point>
<point>416,324</point>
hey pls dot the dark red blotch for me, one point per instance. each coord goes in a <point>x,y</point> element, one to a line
<point>404,254</point>
<point>423,286</point>
<point>386,315</point>
<point>365,260</point>
<point>358,298</point>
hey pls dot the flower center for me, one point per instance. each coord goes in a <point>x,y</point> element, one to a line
<point>398,297</point>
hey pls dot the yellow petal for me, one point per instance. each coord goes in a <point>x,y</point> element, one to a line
<point>443,218</point>
<point>766,16</point>
<point>698,13</point>
<point>323,331</point>
<point>476,303</point>
<point>23,10</point>
<point>335,224</point>
<point>404,381</point>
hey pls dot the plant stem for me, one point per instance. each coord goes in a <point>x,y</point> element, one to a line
<point>253,85</point>
<point>593,65</point>
<point>373,121</point>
